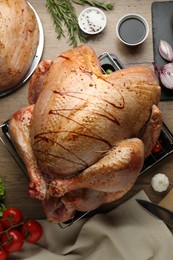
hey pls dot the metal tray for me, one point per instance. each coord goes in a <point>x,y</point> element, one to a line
<point>107,61</point>
<point>36,58</point>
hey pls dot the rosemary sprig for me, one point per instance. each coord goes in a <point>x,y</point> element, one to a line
<point>64,14</point>
<point>2,197</point>
<point>106,6</point>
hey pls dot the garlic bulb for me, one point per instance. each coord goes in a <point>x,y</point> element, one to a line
<point>166,50</point>
<point>160,182</point>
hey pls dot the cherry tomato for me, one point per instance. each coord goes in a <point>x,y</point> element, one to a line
<point>157,148</point>
<point>12,240</point>
<point>3,254</point>
<point>32,231</point>
<point>11,217</point>
<point>1,230</point>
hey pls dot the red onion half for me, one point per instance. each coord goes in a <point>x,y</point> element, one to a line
<point>166,75</point>
<point>166,50</point>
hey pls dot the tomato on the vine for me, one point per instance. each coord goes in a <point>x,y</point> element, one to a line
<point>1,229</point>
<point>12,240</point>
<point>3,254</point>
<point>11,217</point>
<point>31,231</point>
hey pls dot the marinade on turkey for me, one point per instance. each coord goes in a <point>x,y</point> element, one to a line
<point>85,135</point>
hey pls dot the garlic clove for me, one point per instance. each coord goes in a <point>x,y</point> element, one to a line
<point>166,50</point>
<point>160,182</point>
<point>166,75</point>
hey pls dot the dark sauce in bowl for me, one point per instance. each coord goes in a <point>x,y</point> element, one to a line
<point>132,30</point>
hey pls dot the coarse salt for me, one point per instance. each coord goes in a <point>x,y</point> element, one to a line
<point>92,21</point>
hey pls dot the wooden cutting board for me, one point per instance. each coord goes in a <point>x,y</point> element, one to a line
<point>162,28</point>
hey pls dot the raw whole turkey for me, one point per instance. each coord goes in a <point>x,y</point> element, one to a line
<point>85,135</point>
<point>18,42</point>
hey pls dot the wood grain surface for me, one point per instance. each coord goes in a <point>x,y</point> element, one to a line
<point>15,182</point>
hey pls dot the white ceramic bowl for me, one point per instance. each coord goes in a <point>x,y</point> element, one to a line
<point>132,29</point>
<point>92,20</point>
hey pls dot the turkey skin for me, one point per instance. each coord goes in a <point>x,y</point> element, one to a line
<point>84,135</point>
<point>18,43</point>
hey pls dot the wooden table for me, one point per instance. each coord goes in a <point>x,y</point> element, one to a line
<point>15,182</point>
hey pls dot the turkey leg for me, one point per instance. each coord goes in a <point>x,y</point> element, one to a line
<point>19,130</point>
<point>119,167</point>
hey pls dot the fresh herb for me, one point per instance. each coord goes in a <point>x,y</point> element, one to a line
<point>2,197</point>
<point>2,190</point>
<point>2,209</point>
<point>64,15</point>
<point>106,6</point>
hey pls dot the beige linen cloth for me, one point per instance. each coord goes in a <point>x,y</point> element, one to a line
<point>128,232</point>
